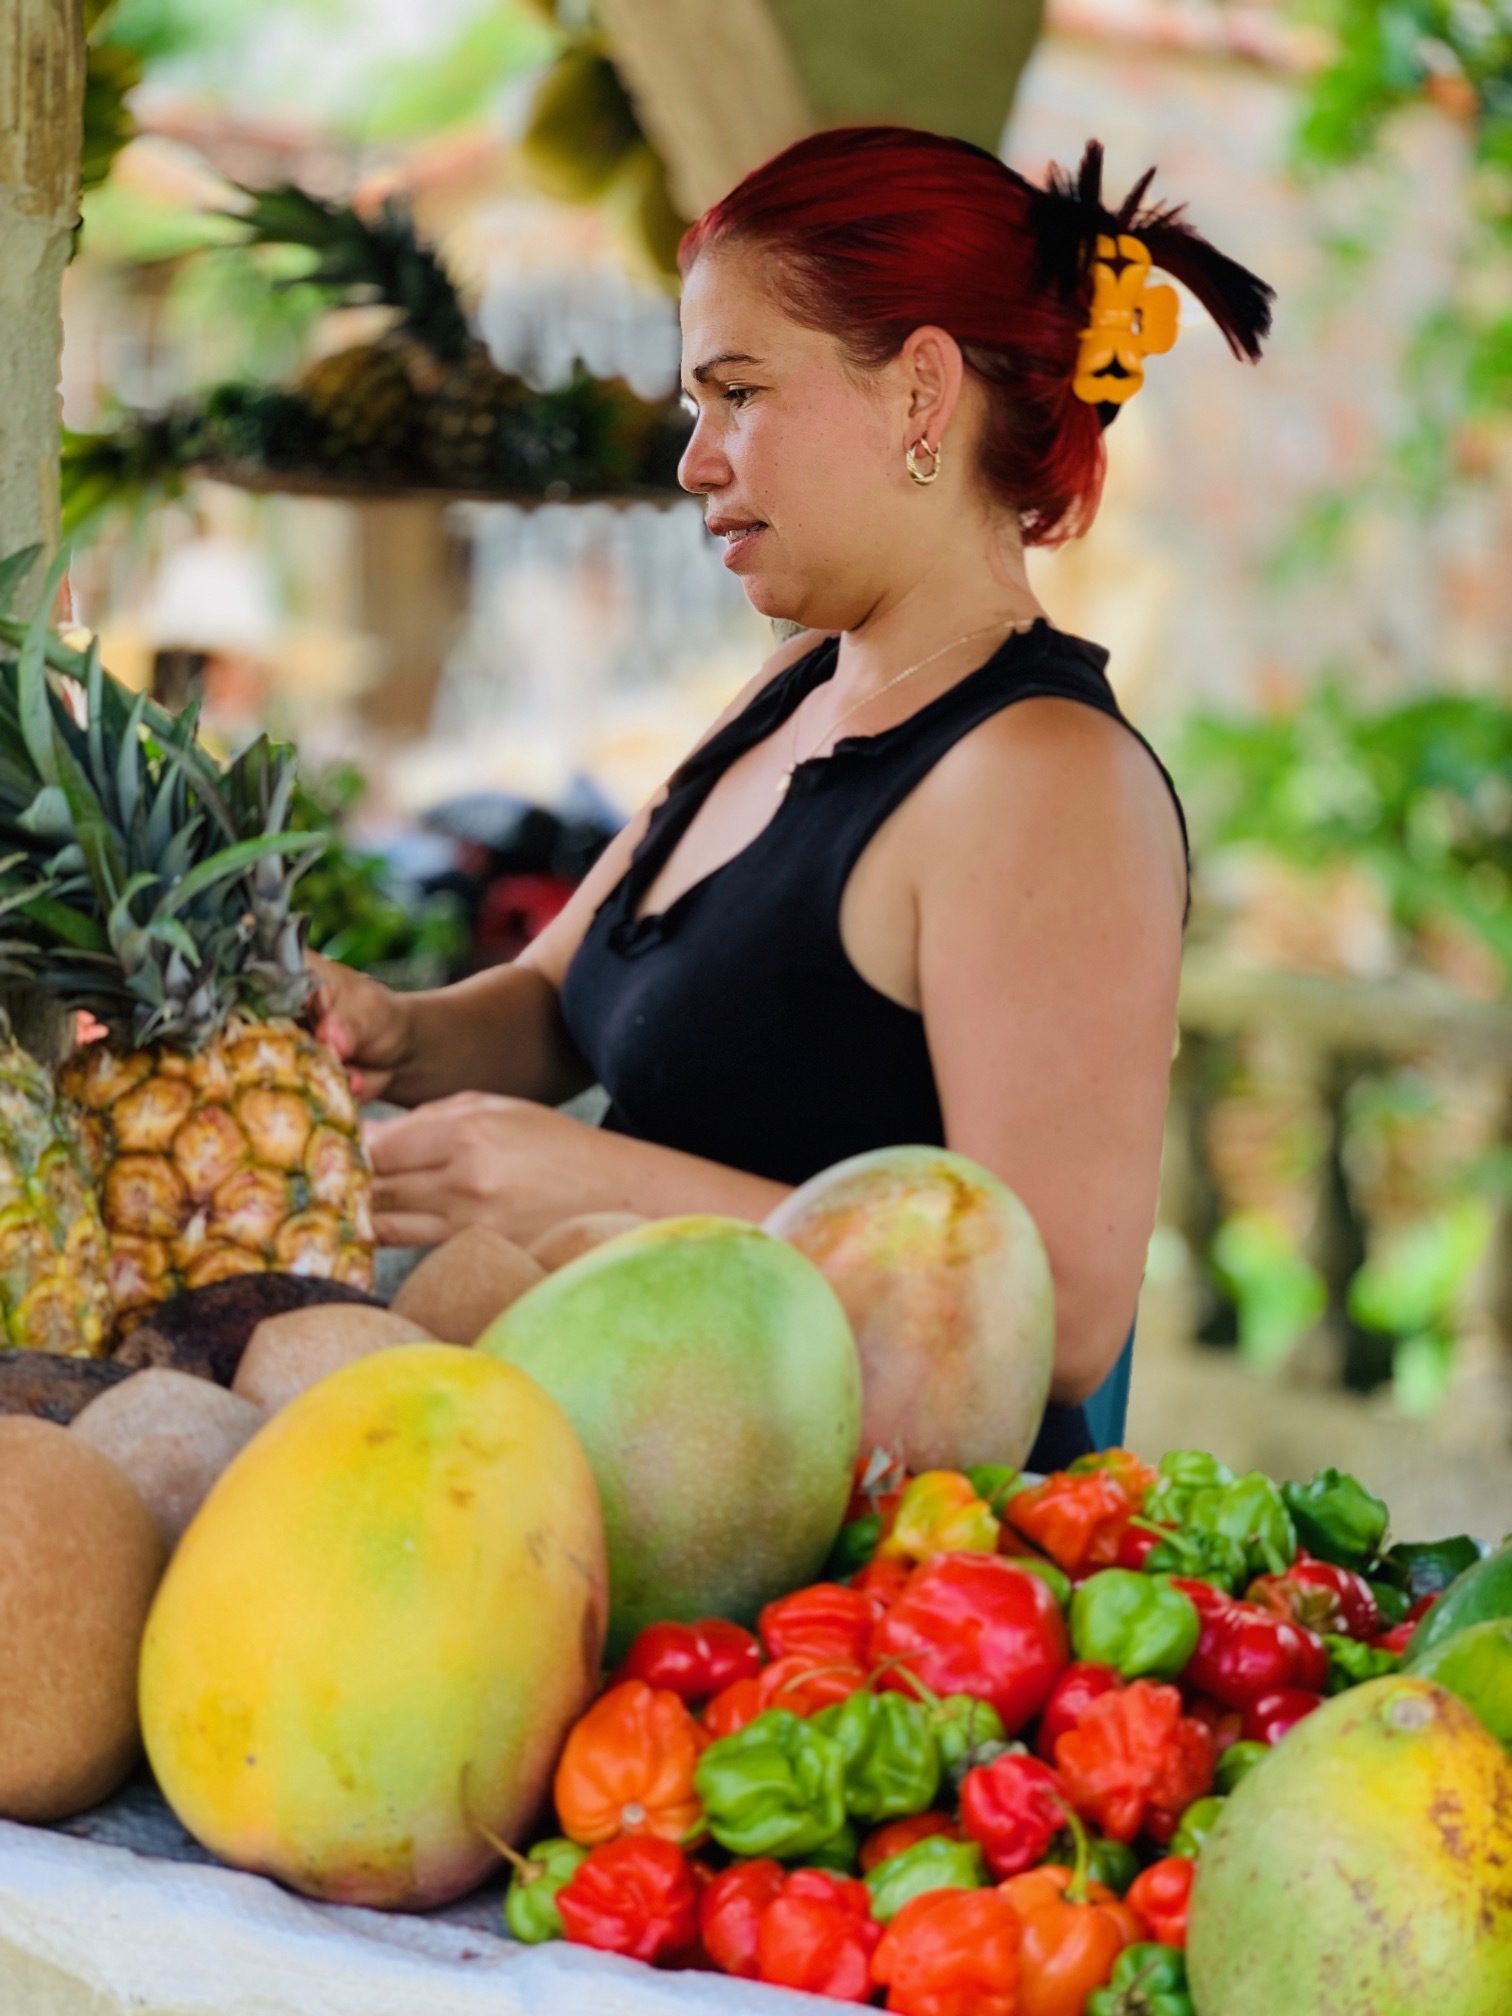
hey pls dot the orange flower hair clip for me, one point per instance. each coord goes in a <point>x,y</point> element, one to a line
<point>1130,322</point>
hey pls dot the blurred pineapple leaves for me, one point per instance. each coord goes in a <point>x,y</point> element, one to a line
<point>1420,794</point>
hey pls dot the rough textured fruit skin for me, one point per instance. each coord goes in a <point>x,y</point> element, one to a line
<point>711,1376</point>
<point>383,1620</point>
<point>1365,1869</point>
<point>943,1275</point>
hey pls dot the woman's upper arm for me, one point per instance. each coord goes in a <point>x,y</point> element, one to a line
<point>1050,907</point>
<point>552,952</point>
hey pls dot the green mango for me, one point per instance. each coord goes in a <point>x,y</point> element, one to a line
<point>1475,1664</point>
<point>1482,1591</point>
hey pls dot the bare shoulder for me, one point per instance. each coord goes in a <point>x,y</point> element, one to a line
<point>1054,770</point>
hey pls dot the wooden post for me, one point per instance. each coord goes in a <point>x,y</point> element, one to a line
<point>41,134</point>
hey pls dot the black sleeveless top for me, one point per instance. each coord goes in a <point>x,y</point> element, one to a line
<point>733,1025</point>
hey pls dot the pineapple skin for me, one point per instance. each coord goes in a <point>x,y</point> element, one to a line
<point>54,1256</point>
<point>243,1157</point>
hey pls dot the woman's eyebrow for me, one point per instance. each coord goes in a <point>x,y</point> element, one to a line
<point>703,372</point>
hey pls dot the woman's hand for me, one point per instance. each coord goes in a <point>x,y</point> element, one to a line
<point>479,1159</point>
<point>364,1022</point>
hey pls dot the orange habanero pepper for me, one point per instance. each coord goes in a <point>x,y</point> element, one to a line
<point>1074,1930</point>
<point>627,1768</point>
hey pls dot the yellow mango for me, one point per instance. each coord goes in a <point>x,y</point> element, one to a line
<point>378,1629</point>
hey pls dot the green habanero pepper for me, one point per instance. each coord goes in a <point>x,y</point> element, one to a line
<point>1112,1863</point>
<point>841,1854</point>
<point>530,1906</point>
<point>1147,1980</point>
<point>994,1483</point>
<point>963,1729</point>
<point>1252,1511</point>
<point>1134,1622</point>
<point>1195,1826</point>
<point>855,1544</point>
<point>1237,1762</point>
<point>1204,1557</point>
<point>891,1758</point>
<point>1350,1662</point>
<point>1393,1604</point>
<point>934,1864</point>
<point>1336,1518</point>
<point>1419,1568</point>
<point>776,1787</point>
<point>1182,1473</point>
<point>1056,1579</point>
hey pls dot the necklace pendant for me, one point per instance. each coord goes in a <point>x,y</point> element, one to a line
<point>783,782</point>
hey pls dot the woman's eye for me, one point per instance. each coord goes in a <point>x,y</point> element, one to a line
<point>737,395</point>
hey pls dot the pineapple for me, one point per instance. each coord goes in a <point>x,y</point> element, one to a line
<point>224,1139</point>
<point>426,389</point>
<point>54,1287</point>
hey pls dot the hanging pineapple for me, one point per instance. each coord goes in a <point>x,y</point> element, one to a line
<point>224,1138</point>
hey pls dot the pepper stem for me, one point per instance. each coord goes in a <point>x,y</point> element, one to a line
<point>527,1870</point>
<point>1081,1868</point>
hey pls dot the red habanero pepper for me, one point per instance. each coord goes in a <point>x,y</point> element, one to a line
<point>634,1895</point>
<point>1224,1725</point>
<point>1321,1598</point>
<point>1135,1758</point>
<point>1268,1719</point>
<point>1013,1808</point>
<point>732,1708</point>
<point>876,1487</point>
<point>1078,1521</point>
<point>1397,1639</point>
<point>729,1912</point>
<point>883,1579</point>
<point>951,1953</point>
<point>818,1934</point>
<point>975,1624</point>
<point>803,1687</point>
<point>627,1768</point>
<point>895,1835</point>
<point>1141,1538</point>
<point>1162,1895</point>
<point>1245,1651</point>
<point>693,1661</point>
<point>826,1624</point>
<point>1131,1473</point>
<point>1079,1684</point>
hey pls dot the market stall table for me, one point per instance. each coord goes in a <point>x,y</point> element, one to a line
<point>120,1913</point>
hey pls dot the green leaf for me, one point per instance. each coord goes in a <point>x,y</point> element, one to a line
<point>64,922</point>
<point>235,860</point>
<point>31,680</point>
<point>13,571</point>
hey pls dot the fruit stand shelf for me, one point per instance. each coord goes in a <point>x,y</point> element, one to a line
<point>123,1913</point>
<point>353,490</point>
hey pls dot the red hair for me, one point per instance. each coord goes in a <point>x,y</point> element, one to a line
<point>874,231</point>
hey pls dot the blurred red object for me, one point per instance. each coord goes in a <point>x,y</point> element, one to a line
<point>515,909</point>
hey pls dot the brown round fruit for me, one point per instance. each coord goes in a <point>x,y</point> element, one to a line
<point>171,1435</point>
<point>576,1236</point>
<point>80,1559</point>
<point>459,1287</point>
<point>287,1353</point>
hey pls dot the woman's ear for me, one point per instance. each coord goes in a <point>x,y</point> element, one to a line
<point>933,372</point>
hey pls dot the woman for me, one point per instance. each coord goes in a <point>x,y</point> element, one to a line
<point>921,882</point>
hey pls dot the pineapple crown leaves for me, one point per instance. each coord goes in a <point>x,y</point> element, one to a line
<point>381,257</point>
<point>162,889</point>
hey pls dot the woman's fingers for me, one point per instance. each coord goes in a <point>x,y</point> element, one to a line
<point>424,1139</point>
<point>412,1228</point>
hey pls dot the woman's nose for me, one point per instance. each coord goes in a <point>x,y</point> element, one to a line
<point>704,467</point>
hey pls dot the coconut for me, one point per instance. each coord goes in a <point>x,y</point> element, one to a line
<point>171,1434</point>
<point>290,1352</point>
<point>459,1288</point>
<point>80,1559</point>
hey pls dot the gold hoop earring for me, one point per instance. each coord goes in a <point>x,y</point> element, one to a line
<point>911,460</point>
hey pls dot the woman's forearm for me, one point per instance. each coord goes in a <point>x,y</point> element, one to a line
<point>500,1031</point>
<point>631,1175</point>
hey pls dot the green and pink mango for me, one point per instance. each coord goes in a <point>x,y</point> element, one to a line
<point>711,1377</point>
<point>943,1275</point>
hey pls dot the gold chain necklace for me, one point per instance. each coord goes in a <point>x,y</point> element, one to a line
<point>1011,624</point>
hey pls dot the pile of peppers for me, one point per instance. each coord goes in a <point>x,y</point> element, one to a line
<point>970,1772</point>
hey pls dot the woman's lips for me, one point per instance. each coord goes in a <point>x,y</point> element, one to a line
<point>739,540</point>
